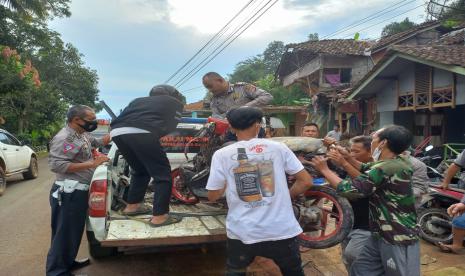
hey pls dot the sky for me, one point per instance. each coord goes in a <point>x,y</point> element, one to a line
<point>136,44</point>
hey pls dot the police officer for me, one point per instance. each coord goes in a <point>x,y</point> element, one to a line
<point>227,96</point>
<point>71,159</point>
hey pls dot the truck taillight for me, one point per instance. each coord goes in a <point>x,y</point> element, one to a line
<point>98,198</point>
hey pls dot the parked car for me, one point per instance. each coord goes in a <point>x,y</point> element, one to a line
<point>15,158</point>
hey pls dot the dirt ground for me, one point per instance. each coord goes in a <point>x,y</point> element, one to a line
<point>25,238</point>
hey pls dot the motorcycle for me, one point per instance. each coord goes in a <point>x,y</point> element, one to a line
<point>325,217</point>
<point>435,224</point>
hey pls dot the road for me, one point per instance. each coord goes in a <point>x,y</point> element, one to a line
<point>25,237</point>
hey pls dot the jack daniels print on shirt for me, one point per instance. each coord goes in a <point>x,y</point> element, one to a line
<point>254,179</point>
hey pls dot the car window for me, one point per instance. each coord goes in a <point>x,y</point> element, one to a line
<point>14,141</point>
<point>5,139</point>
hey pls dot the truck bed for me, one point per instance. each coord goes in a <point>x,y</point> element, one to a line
<point>202,223</point>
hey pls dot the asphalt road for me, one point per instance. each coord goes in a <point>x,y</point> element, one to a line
<point>25,237</point>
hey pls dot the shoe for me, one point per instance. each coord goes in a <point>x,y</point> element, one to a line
<point>77,264</point>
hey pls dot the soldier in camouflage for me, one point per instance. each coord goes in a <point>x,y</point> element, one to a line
<point>393,248</point>
<point>227,96</point>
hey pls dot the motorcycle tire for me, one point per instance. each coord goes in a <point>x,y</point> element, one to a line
<point>426,228</point>
<point>343,225</point>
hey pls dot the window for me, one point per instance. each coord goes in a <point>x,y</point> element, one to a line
<point>5,140</point>
<point>336,76</point>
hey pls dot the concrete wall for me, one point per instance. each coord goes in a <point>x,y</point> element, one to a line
<point>386,98</point>
<point>406,79</point>
<point>386,118</point>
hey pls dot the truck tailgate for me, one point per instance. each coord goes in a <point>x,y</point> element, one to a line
<point>201,224</point>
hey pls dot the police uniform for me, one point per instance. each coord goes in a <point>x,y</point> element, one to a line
<point>239,94</point>
<point>68,197</point>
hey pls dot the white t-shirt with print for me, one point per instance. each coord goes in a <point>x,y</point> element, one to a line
<point>270,218</point>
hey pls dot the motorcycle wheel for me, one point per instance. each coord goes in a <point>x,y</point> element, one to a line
<point>335,218</point>
<point>431,232</point>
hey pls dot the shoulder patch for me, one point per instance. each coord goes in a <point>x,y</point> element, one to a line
<point>68,147</point>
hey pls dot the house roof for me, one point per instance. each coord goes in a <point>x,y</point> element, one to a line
<point>398,37</point>
<point>333,46</point>
<point>299,54</point>
<point>194,106</point>
<point>447,52</point>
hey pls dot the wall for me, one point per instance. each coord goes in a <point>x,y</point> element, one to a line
<point>360,64</point>
<point>386,98</point>
<point>406,79</point>
<point>442,78</point>
<point>386,118</point>
<point>460,90</point>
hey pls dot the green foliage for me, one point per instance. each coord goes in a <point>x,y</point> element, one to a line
<point>272,56</point>
<point>455,13</point>
<point>38,112</point>
<point>249,70</point>
<point>293,95</point>
<point>397,27</point>
<point>313,37</point>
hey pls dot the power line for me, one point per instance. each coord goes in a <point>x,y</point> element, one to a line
<point>350,35</point>
<point>249,17</point>
<point>370,18</point>
<point>205,45</point>
<point>190,89</point>
<point>222,49</point>
<point>209,53</point>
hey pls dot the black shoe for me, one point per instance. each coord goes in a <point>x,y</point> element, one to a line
<point>77,264</point>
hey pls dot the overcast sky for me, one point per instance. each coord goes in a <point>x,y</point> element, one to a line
<point>135,44</point>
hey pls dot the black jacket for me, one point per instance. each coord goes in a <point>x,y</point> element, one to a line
<point>158,114</point>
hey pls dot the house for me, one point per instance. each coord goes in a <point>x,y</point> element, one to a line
<point>419,86</point>
<point>325,69</point>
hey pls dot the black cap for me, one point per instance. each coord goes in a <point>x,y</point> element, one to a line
<point>244,117</point>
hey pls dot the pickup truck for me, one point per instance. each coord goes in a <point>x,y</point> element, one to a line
<point>108,232</point>
<point>15,158</point>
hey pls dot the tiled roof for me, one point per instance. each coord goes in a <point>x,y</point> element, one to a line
<point>454,37</point>
<point>442,54</point>
<point>395,38</point>
<point>194,106</point>
<point>333,46</point>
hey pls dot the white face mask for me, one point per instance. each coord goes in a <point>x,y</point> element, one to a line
<point>376,153</point>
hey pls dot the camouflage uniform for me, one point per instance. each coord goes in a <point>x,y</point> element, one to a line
<point>239,94</point>
<point>393,248</point>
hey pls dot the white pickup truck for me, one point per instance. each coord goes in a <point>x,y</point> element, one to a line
<point>109,232</point>
<point>15,158</point>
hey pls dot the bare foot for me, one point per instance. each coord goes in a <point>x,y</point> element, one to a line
<point>449,248</point>
<point>132,207</point>
<point>159,219</point>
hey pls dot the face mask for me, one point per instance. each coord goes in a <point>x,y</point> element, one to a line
<point>89,126</point>
<point>376,153</point>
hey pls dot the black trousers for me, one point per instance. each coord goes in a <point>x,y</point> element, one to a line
<point>285,253</point>
<point>68,223</point>
<point>147,159</point>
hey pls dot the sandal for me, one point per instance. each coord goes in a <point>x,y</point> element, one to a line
<point>172,219</point>
<point>446,249</point>
<point>142,210</point>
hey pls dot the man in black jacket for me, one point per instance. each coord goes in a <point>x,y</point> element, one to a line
<point>136,132</point>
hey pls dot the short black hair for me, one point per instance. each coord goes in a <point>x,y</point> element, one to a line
<point>164,89</point>
<point>244,117</point>
<point>312,124</point>
<point>398,138</point>
<point>213,75</point>
<point>362,139</point>
<point>78,110</point>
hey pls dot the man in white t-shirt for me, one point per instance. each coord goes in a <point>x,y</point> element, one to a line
<point>252,175</point>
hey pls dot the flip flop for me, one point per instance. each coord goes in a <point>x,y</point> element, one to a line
<point>446,249</point>
<point>142,210</point>
<point>172,219</point>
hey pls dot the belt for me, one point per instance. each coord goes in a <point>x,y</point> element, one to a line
<point>68,186</point>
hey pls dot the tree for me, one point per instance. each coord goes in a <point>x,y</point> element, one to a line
<point>38,8</point>
<point>397,27</point>
<point>249,70</point>
<point>313,37</point>
<point>272,56</point>
<point>454,12</point>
